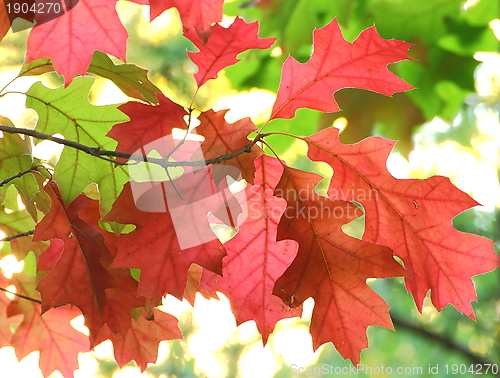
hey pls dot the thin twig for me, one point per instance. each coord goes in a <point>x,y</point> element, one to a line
<point>7,180</point>
<point>173,185</point>
<point>12,237</point>
<point>172,152</point>
<point>22,296</point>
<point>29,298</point>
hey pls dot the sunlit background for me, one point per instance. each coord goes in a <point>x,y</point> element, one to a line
<point>465,148</point>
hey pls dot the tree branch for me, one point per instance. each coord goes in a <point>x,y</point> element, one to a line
<point>7,180</point>
<point>440,339</point>
<point>100,153</point>
<point>12,237</point>
<point>22,296</point>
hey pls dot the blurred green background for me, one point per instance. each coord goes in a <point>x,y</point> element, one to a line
<point>449,126</point>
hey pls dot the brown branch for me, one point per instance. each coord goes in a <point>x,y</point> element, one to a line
<point>22,296</point>
<point>29,298</point>
<point>100,153</point>
<point>440,339</point>
<point>12,237</point>
<point>7,180</point>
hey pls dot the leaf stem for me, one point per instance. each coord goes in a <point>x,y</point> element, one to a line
<point>6,85</point>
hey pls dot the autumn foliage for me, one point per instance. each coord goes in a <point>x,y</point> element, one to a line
<point>289,244</point>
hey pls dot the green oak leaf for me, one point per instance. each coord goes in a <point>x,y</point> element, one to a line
<point>13,221</point>
<point>67,111</point>
<point>15,157</point>
<point>36,67</point>
<point>132,80</point>
<point>32,194</point>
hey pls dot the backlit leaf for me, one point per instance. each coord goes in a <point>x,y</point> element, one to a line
<point>336,64</point>
<point>71,39</point>
<point>68,112</point>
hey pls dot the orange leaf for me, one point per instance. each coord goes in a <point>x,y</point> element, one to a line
<point>331,267</point>
<point>51,334</point>
<point>142,339</point>
<point>413,217</point>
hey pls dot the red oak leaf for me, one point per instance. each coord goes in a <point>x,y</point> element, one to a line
<point>78,260</point>
<point>336,64</point>
<point>51,334</point>
<point>147,123</point>
<point>195,14</point>
<point>148,180</point>
<point>71,39</point>
<point>77,263</point>
<point>223,46</point>
<point>222,138</point>
<point>155,246</point>
<point>254,259</point>
<point>413,217</point>
<point>142,339</point>
<point>121,299</point>
<point>331,267</point>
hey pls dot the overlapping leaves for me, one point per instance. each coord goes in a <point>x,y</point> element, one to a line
<point>76,270</point>
<point>256,253</point>
<point>67,111</point>
<point>419,213</point>
<point>289,244</point>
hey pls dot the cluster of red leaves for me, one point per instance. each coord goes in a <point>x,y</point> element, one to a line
<point>291,245</point>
